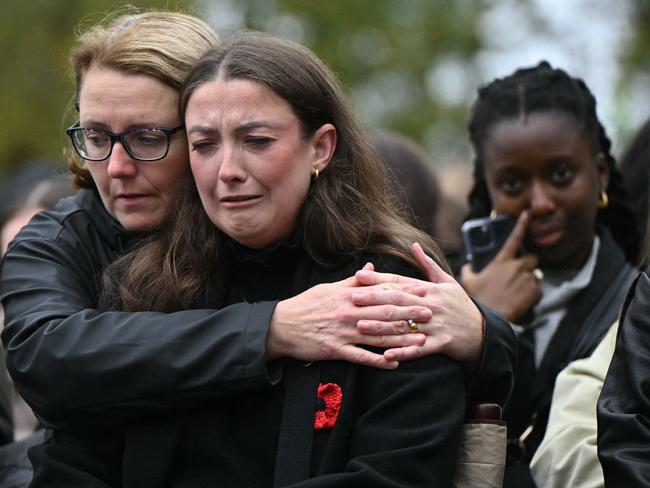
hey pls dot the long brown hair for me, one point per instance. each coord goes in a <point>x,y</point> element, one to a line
<point>163,45</point>
<point>349,208</point>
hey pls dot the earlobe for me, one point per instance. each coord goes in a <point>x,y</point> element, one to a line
<point>324,144</point>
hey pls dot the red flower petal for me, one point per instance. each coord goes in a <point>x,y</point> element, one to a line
<point>332,395</point>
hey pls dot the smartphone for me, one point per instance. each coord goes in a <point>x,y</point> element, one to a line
<point>483,237</point>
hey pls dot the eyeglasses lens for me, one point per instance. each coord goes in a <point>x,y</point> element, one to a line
<point>92,144</point>
<point>141,144</point>
<point>147,144</point>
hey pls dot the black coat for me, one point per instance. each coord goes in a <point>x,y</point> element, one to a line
<point>89,375</point>
<point>624,403</point>
<point>589,315</point>
<point>58,344</point>
<point>394,428</point>
<point>49,289</point>
<point>6,404</point>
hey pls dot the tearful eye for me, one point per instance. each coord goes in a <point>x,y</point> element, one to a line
<point>258,141</point>
<point>201,146</point>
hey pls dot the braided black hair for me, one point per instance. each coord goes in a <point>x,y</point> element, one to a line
<point>541,89</point>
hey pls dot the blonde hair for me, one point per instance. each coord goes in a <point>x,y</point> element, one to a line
<point>161,44</point>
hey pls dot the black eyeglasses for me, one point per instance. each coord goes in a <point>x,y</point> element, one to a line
<point>146,144</point>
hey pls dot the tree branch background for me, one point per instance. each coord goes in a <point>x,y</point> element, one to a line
<point>412,66</point>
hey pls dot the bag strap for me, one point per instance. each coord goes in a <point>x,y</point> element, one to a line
<point>604,314</point>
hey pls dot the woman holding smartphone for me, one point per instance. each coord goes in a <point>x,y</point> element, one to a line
<point>543,158</point>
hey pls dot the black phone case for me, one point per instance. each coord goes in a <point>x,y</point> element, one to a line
<point>483,237</point>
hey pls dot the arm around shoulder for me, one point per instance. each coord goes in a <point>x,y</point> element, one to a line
<point>58,344</point>
<point>407,424</point>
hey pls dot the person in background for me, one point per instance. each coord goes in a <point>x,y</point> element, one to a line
<point>15,469</point>
<point>416,183</point>
<point>635,167</point>
<point>568,454</point>
<point>623,405</point>
<point>543,157</point>
<point>623,409</point>
<point>21,180</point>
<point>412,178</point>
<point>11,194</point>
<point>43,196</point>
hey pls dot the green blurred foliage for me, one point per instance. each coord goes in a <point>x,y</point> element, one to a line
<point>394,57</point>
<point>635,68</point>
<point>382,50</point>
<point>35,83</point>
<point>637,57</point>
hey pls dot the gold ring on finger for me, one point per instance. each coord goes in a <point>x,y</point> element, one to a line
<point>413,327</point>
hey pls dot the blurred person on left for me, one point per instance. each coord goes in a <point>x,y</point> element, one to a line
<point>15,468</point>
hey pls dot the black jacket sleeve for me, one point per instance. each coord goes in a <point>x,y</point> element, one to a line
<point>74,364</point>
<point>6,407</point>
<point>624,404</point>
<point>494,379</point>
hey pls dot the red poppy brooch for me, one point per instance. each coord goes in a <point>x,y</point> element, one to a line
<point>332,395</point>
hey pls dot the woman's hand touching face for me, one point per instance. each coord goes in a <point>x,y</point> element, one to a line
<point>545,163</point>
<point>508,284</point>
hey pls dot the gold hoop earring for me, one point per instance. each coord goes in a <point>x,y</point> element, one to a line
<point>603,200</point>
<point>315,174</point>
